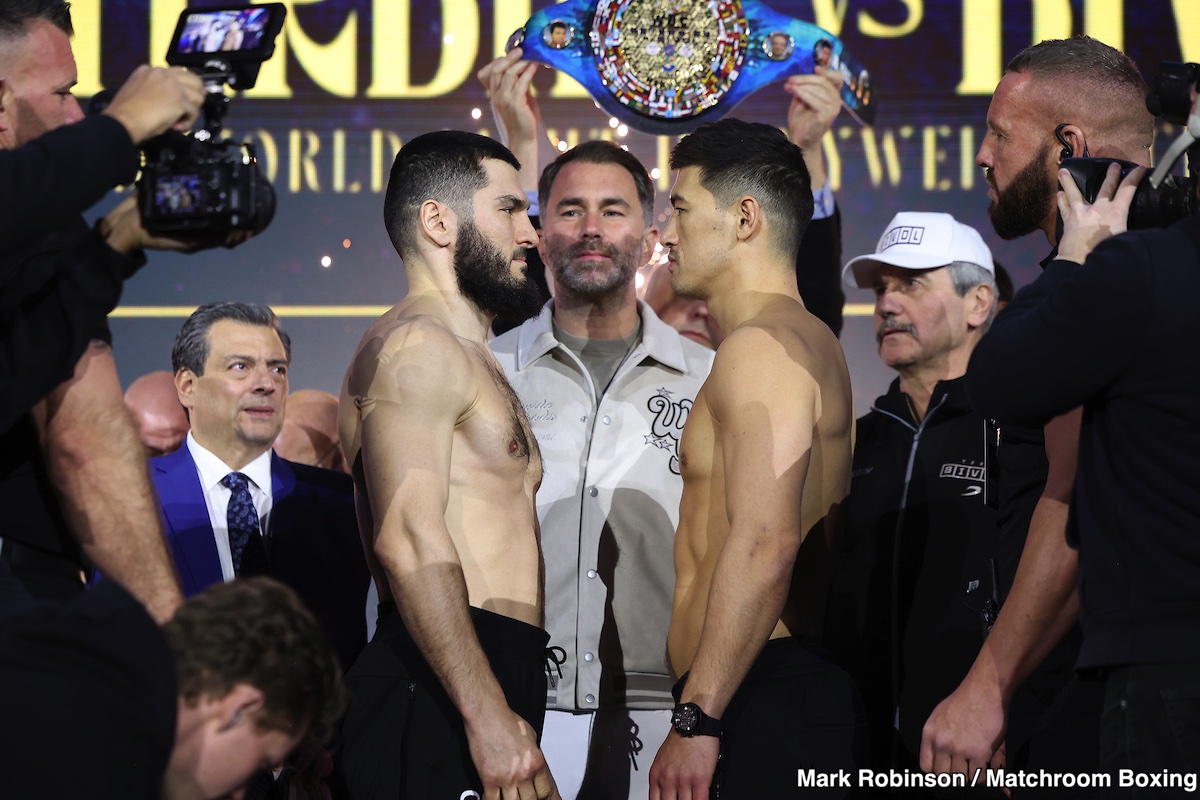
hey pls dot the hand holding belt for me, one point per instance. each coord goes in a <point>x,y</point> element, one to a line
<point>668,66</point>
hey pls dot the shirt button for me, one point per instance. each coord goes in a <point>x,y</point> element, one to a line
<point>593,491</point>
<point>583,419</point>
<point>589,698</point>
<point>588,656</point>
<point>591,573</point>
<point>607,419</point>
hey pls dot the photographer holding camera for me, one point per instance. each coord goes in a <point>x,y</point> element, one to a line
<point>63,172</point>
<point>72,477</point>
<point>1110,326</point>
<point>1022,704</point>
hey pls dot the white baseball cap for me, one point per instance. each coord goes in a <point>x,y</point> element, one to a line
<point>920,240</point>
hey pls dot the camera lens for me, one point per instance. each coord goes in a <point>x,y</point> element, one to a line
<point>1170,95</point>
<point>1157,208</point>
<point>264,204</point>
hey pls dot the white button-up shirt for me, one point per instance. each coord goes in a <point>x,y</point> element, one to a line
<point>608,504</point>
<point>212,471</point>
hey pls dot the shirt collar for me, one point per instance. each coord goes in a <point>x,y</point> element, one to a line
<point>213,470</point>
<point>659,340</point>
<point>953,390</point>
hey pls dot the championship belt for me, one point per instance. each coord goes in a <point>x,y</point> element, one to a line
<point>667,66</point>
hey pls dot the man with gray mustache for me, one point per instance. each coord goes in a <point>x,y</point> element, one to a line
<point>913,579</point>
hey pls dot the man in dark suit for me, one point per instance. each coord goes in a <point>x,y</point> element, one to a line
<point>230,505</point>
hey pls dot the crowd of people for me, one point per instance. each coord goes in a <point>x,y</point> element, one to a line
<point>610,542</point>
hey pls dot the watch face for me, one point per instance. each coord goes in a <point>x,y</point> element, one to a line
<point>669,58</point>
<point>686,718</point>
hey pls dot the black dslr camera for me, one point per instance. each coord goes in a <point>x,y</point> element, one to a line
<point>1162,199</point>
<point>197,182</point>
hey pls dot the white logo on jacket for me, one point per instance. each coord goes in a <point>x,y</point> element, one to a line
<point>667,426</point>
<point>962,472</point>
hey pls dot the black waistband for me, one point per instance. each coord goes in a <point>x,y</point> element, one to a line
<point>497,633</point>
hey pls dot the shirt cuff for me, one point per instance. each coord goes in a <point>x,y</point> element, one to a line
<point>823,202</point>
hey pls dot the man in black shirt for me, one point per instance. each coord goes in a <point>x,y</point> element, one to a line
<point>72,481</point>
<point>1057,99</point>
<point>1135,511</point>
<point>913,581</point>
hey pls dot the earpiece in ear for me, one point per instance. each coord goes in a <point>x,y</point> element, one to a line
<point>1067,150</point>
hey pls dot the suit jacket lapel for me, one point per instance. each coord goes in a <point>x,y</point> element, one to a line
<point>287,513</point>
<point>283,482</point>
<point>187,524</point>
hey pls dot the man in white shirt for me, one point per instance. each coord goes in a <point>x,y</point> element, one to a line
<point>231,507</point>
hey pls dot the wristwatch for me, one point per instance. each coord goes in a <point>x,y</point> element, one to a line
<point>690,720</point>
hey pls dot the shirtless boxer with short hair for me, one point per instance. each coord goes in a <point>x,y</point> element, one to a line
<point>449,695</point>
<point>765,458</point>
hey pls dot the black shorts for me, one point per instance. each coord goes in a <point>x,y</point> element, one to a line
<point>402,737</point>
<point>795,710</point>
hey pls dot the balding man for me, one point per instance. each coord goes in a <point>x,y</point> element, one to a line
<point>690,317</point>
<point>310,431</point>
<point>161,420</point>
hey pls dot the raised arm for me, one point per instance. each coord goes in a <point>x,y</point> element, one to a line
<point>1046,354</point>
<point>762,407</point>
<point>58,176</point>
<point>62,173</point>
<point>418,387</point>
<point>814,107</point>
<point>515,110</point>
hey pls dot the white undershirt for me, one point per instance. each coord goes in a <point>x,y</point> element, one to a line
<point>212,471</point>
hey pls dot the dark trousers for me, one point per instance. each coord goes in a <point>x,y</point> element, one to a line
<point>402,736</point>
<point>1151,727</point>
<point>1064,740</point>
<point>795,710</point>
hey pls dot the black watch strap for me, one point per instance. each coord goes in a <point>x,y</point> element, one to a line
<point>690,720</point>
